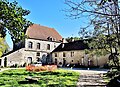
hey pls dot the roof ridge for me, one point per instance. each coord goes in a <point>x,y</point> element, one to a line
<point>44,26</point>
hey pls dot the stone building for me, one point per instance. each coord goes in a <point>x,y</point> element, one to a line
<point>74,53</point>
<point>38,45</point>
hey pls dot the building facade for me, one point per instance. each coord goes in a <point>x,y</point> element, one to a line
<point>38,45</point>
<point>46,45</point>
<point>74,53</point>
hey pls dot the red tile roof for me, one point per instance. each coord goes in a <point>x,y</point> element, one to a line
<point>41,32</point>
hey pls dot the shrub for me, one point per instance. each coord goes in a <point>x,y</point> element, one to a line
<point>41,68</point>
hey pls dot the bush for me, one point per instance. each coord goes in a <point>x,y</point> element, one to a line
<point>41,68</point>
<point>112,73</point>
<point>114,82</point>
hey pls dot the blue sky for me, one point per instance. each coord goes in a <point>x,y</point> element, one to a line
<point>49,13</point>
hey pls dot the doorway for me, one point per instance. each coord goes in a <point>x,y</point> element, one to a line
<point>0,61</point>
<point>64,62</point>
<point>29,60</point>
<point>5,62</point>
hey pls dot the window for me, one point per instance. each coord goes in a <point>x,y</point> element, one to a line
<point>50,38</point>
<point>38,54</point>
<point>48,46</point>
<point>72,54</point>
<point>64,55</point>
<point>55,54</point>
<point>30,44</point>
<point>55,61</point>
<point>38,45</point>
<point>54,39</point>
<point>54,45</point>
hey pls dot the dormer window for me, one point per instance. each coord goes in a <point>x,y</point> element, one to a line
<point>38,45</point>
<point>54,39</point>
<point>50,38</point>
<point>30,44</point>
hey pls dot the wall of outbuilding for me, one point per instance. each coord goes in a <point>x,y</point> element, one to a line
<point>79,58</point>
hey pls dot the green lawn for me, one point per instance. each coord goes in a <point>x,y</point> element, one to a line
<point>58,78</point>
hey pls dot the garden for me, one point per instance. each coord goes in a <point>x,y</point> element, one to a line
<point>57,78</point>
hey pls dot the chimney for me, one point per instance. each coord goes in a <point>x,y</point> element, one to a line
<point>63,45</point>
<point>64,40</point>
<point>72,39</point>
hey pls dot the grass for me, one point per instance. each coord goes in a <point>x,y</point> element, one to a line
<point>58,78</point>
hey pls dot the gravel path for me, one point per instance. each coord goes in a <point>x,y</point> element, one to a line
<point>91,78</point>
<point>90,71</point>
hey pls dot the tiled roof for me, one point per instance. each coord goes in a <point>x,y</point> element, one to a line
<point>41,32</point>
<point>76,45</point>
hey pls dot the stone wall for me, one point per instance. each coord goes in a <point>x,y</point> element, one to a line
<point>43,45</point>
<point>79,57</point>
<point>28,55</point>
<point>14,58</point>
<point>70,58</point>
<point>43,51</point>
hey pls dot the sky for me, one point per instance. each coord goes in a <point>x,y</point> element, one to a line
<point>49,13</point>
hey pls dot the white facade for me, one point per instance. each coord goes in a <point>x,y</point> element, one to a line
<point>43,52</point>
<point>35,50</point>
<point>43,45</point>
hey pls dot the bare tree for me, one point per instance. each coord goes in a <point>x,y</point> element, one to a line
<point>103,27</point>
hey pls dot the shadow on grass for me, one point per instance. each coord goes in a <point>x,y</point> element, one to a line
<point>48,73</point>
<point>28,82</point>
<point>2,84</point>
<point>56,73</point>
<point>17,73</point>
